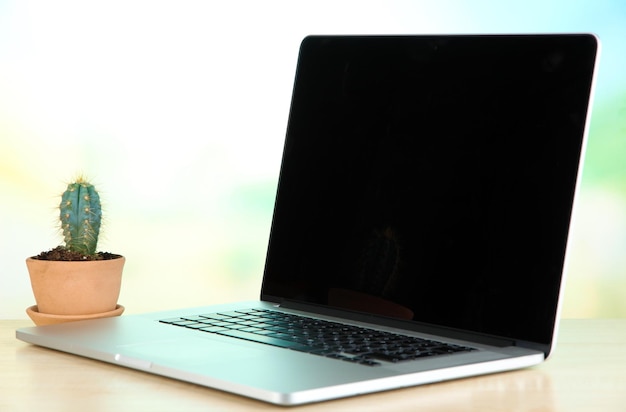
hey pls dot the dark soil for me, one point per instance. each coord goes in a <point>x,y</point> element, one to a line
<point>61,253</point>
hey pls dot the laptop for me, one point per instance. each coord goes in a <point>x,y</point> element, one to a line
<point>419,232</point>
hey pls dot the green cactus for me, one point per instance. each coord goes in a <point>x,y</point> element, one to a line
<point>80,214</point>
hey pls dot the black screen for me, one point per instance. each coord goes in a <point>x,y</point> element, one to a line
<point>431,178</point>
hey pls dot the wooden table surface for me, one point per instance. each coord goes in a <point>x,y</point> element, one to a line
<point>586,373</point>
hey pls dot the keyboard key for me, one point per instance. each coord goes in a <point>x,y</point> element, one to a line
<point>195,318</point>
<point>213,329</point>
<point>215,316</point>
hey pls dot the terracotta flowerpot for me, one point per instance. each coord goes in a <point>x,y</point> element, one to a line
<point>76,288</point>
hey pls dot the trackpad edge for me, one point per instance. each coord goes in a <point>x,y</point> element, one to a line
<point>187,352</point>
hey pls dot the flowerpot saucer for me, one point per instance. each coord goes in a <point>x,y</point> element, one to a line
<point>41,319</point>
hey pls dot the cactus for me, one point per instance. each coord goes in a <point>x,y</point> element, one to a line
<point>80,214</point>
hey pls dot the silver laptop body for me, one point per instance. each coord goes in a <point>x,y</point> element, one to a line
<point>426,191</point>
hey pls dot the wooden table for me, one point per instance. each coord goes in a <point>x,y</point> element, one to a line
<point>586,373</point>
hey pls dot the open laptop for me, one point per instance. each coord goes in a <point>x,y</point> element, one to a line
<point>420,225</point>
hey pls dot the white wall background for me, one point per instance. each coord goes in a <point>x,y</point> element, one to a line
<point>177,110</point>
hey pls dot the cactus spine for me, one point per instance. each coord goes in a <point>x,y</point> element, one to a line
<point>80,214</point>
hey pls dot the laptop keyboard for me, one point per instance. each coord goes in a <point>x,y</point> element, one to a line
<point>318,337</point>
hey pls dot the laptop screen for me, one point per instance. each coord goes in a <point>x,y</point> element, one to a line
<point>431,178</point>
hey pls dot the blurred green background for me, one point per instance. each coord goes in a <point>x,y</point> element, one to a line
<point>177,111</point>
